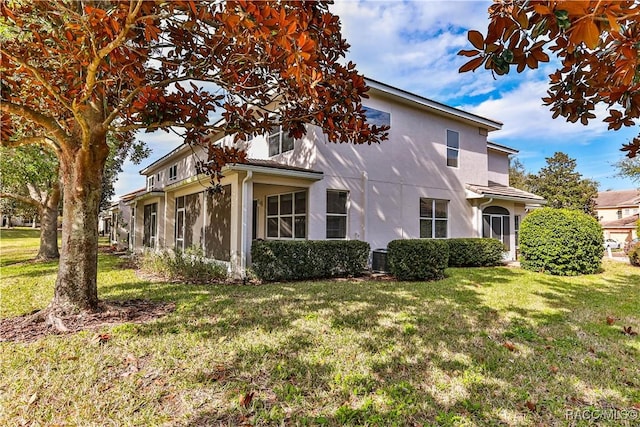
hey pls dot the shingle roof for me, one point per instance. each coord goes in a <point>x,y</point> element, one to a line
<point>618,198</point>
<point>500,191</point>
<point>626,222</point>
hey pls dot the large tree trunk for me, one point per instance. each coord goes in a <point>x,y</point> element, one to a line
<point>81,177</point>
<point>49,226</point>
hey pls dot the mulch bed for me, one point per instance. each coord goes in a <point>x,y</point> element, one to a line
<point>29,328</point>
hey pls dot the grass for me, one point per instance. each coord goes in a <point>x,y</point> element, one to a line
<point>332,353</point>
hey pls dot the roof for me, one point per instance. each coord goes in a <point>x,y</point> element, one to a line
<point>626,222</point>
<point>503,148</point>
<point>504,192</point>
<point>618,198</point>
<point>272,167</point>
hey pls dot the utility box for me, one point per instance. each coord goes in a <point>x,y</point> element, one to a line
<point>379,261</point>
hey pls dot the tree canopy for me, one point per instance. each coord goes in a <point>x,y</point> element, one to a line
<point>596,44</point>
<point>562,186</point>
<point>74,71</point>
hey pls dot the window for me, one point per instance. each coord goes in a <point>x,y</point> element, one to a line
<point>180,222</point>
<point>150,225</point>
<point>516,226</point>
<point>337,214</point>
<point>433,218</point>
<point>619,213</point>
<point>173,173</point>
<point>495,224</point>
<point>279,141</point>
<point>377,117</point>
<point>453,148</point>
<point>151,180</point>
<point>287,216</point>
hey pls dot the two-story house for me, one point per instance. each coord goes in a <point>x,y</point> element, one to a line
<point>437,176</point>
<point>618,213</point>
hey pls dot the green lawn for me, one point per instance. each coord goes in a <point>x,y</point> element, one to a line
<point>331,353</point>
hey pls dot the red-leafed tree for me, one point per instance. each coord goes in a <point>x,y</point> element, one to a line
<point>72,71</point>
<point>596,43</point>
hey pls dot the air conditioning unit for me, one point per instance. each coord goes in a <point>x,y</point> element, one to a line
<point>379,261</point>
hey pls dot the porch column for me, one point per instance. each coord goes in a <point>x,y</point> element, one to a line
<point>247,221</point>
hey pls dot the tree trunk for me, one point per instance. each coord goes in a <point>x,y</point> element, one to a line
<point>49,226</point>
<point>81,177</point>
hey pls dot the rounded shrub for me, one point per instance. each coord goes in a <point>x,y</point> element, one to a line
<point>634,255</point>
<point>561,242</point>
<point>475,252</point>
<point>418,259</point>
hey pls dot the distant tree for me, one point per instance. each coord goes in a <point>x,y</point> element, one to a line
<point>562,186</point>
<point>629,168</point>
<point>30,176</point>
<point>596,43</point>
<point>518,176</point>
<point>76,70</point>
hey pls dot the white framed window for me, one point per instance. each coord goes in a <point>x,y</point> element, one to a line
<point>287,216</point>
<point>151,181</point>
<point>173,172</point>
<point>150,225</point>
<point>279,141</point>
<point>337,207</point>
<point>453,148</point>
<point>516,229</point>
<point>434,218</point>
<point>180,222</point>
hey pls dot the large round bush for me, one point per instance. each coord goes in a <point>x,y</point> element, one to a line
<point>561,242</point>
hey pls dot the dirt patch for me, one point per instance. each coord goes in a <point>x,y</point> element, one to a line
<point>31,327</point>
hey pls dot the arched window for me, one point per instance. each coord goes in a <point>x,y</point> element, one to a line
<point>495,224</point>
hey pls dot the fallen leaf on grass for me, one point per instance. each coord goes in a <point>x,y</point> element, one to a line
<point>531,406</point>
<point>100,338</point>
<point>32,399</point>
<point>636,405</point>
<point>610,320</point>
<point>509,346</point>
<point>554,369</point>
<point>627,330</point>
<point>246,399</point>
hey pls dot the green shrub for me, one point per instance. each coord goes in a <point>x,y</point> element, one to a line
<point>475,252</point>
<point>634,255</point>
<point>274,260</point>
<point>418,259</point>
<point>561,242</point>
<point>189,266</point>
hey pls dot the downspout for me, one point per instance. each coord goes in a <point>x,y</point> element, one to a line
<point>245,224</point>
<point>365,208</point>
<point>480,207</point>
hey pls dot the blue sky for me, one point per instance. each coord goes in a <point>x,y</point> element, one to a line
<point>412,45</point>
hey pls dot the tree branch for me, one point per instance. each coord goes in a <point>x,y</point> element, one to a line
<point>44,82</point>
<point>20,198</point>
<point>58,134</point>
<point>156,126</point>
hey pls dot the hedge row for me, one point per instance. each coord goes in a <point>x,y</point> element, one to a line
<point>475,252</point>
<point>278,260</point>
<point>418,259</point>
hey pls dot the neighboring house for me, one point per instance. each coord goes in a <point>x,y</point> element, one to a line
<point>436,177</point>
<point>117,221</point>
<point>617,212</point>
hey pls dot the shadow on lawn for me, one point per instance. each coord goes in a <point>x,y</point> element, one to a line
<point>435,351</point>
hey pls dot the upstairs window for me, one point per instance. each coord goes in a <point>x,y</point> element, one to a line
<point>151,182</point>
<point>453,148</point>
<point>434,218</point>
<point>173,173</point>
<point>377,117</point>
<point>279,141</point>
<point>337,214</point>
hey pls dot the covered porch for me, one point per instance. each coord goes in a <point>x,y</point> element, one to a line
<point>498,210</point>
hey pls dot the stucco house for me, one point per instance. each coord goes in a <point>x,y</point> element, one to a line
<point>436,177</point>
<point>617,212</point>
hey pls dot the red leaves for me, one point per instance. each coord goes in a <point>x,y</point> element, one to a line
<point>509,345</point>
<point>245,399</point>
<point>595,42</point>
<point>610,320</point>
